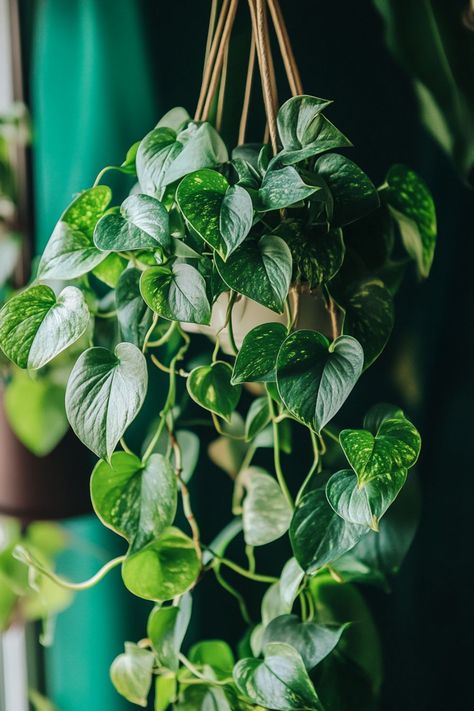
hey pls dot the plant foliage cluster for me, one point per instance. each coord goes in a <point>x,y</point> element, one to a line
<point>127,280</point>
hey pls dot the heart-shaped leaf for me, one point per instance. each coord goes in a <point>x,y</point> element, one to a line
<point>220,214</point>
<point>266,512</point>
<point>312,641</point>
<point>380,456</point>
<point>260,269</point>
<point>215,653</point>
<point>166,629</point>
<point>368,316</point>
<point>131,673</point>
<point>411,203</point>
<point>177,293</point>
<point>365,504</point>
<point>256,360</point>
<point>104,393</point>
<point>317,253</point>
<point>279,681</point>
<point>318,534</point>
<point>282,188</point>
<point>133,314</point>
<point>354,195</point>
<point>210,387</point>
<point>304,131</point>
<point>35,325</point>
<point>142,223</point>
<point>165,156</point>
<point>136,500</point>
<point>315,377</point>
<point>164,569</point>
<point>71,252</point>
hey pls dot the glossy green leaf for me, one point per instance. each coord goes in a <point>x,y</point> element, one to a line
<point>220,214</point>
<point>210,387</point>
<point>353,193</point>
<point>411,203</point>
<point>175,118</point>
<point>315,377</point>
<point>142,223</point>
<point>260,269</point>
<point>257,418</point>
<point>131,673</point>
<point>290,580</point>
<point>43,423</point>
<point>266,512</point>
<point>280,681</point>
<point>380,456</point>
<point>134,499</point>
<point>165,156</point>
<point>282,188</point>
<point>368,316</point>
<point>166,568</point>
<point>311,640</point>
<point>165,691</point>
<point>166,629</point>
<point>207,698</point>
<point>256,359</point>
<point>71,252</point>
<point>318,534</point>
<point>104,393</point>
<point>133,314</point>
<point>177,293</point>
<point>317,253</point>
<point>35,325</point>
<point>304,131</point>
<point>215,653</point>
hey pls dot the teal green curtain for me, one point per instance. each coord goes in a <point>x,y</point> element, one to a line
<point>92,96</point>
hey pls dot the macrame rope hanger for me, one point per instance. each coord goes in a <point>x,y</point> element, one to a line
<point>214,76</point>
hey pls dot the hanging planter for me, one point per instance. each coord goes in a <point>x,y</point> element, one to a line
<point>284,254</point>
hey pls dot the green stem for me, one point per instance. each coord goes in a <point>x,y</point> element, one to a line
<point>249,552</point>
<point>276,455</point>
<point>313,468</point>
<point>149,332</point>
<point>165,337</point>
<point>125,447</point>
<point>247,573</point>
<point>102,173</point>
<point>232,591</point>
<point>222,432</point>
<point>21,553</point>
<point>230,327</point>
<point>195,671</point>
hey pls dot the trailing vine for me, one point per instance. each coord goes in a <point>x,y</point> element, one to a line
<point>295,234</point>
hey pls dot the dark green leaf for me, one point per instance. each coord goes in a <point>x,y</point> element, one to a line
<point>280,681</point>
<point>256,360</point>
<point>35,412</point>
<point>71,252</point>
<point>257,418</point>
<point>260,269</point>
<point>281,188</point>
<point>133,314</point>
<point>266,512</point>
<point>353,193</point>
<point>311,640</point>
<point>315,377</point>
<point>380,457</point>
<point>219,213</point>
<point>166,629</point>
<point>304,131</point>
<point>134,499</point>
<point>143,223</point>
<point>104,393</point>
<point>317,252</point>
<point>131,673</point>
<point>166,568</point>
<point>318,534</point>
<point>35,325</point>
<point>210,387</point>
<point>368,316</point>
<point>411,203</point>
<point>177,294</point>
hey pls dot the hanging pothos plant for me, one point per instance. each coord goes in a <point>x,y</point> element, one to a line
<point>281,229</point>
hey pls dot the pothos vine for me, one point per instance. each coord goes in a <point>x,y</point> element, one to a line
<point>286,255</point>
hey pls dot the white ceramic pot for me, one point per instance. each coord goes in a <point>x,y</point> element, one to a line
<point>309,308</point>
